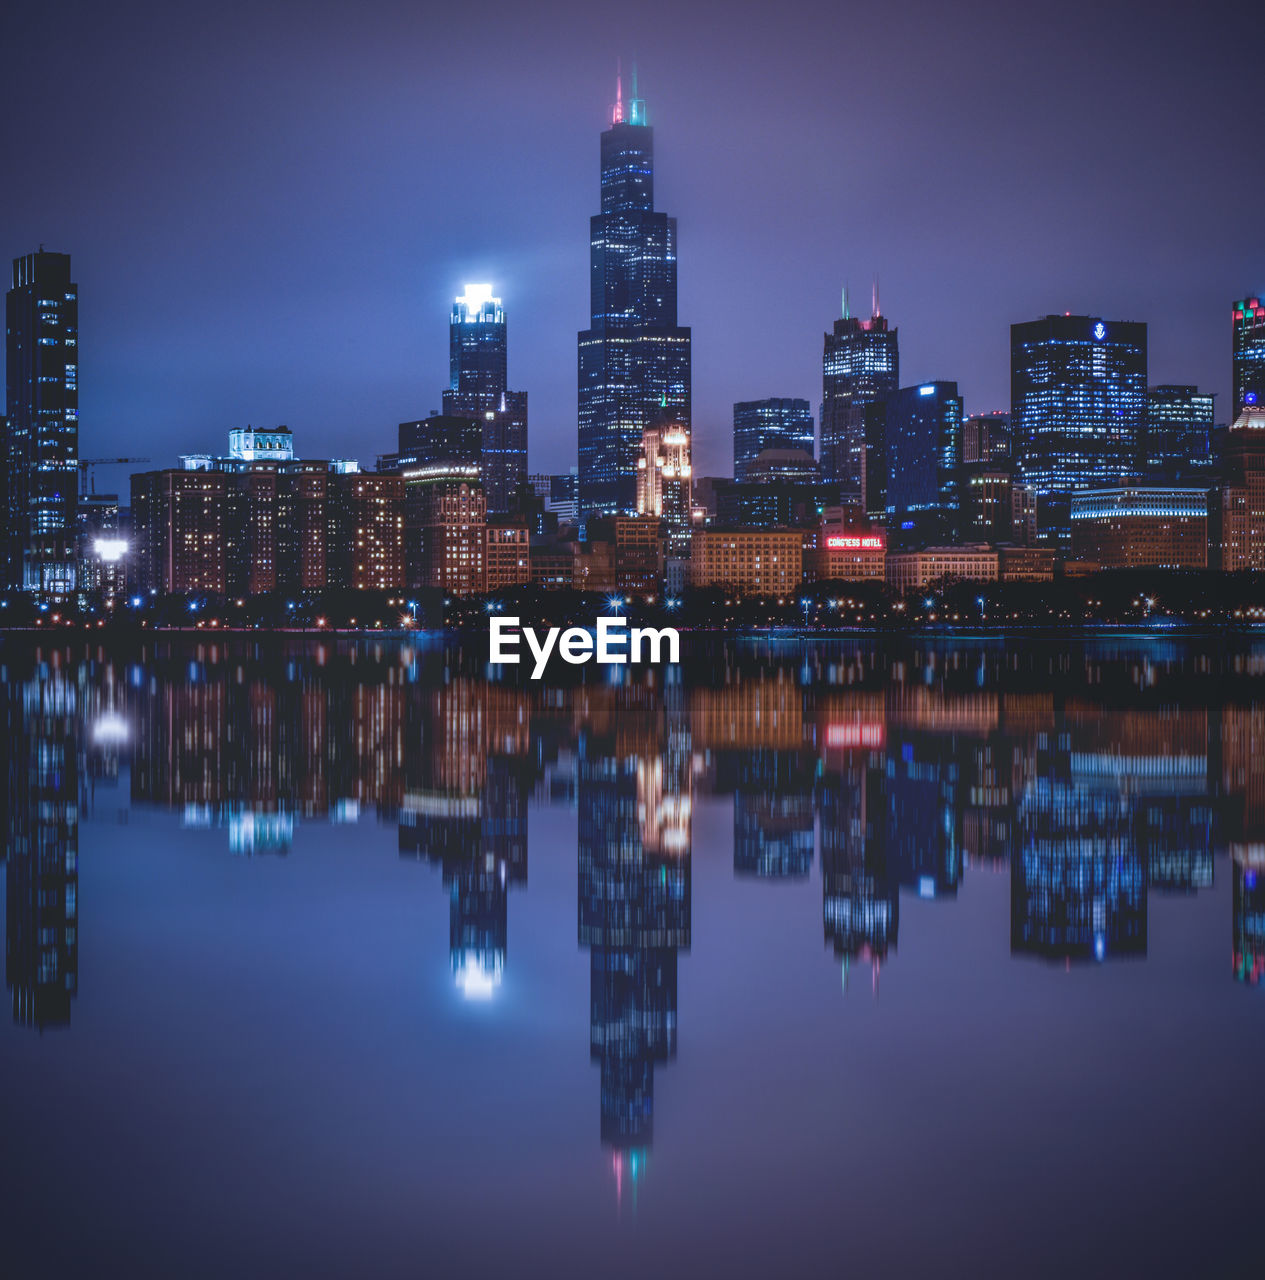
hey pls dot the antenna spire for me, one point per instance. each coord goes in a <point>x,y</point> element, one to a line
<point>845,300</point>
<point>617,116</point>
<point>636,106</point>
<point>877,312</point>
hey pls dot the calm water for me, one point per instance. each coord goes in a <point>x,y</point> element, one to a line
<point>893,958</point>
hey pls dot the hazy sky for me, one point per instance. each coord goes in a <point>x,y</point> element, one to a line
<point>270,206</point>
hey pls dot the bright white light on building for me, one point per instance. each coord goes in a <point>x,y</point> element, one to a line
<point>473,301</point>
<point>111,550</point>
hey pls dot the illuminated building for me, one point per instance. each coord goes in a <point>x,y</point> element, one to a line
<point>445,528</point>
<point>634,359</point>
<point>477,360</point>
<point>553,562</point>
<point>922,432</point>
<point>1025,564</point>
<point>844,554</point>
<point>913,570</point>
<point>251,445</point>
<point>985,439</point>
<point>179,529</point>
<point>665,482</point>
<point>1238,511</point>
<point>508,555</point>
<point>623,554</point>
<point>1177,442</point>
<point>860,366</point>
<point>1078,408</point>
<point>993,508</point>
<point>38,548</point>
<point>442,437</point>
<point>774,822</point>
<point>1248,348</point>
<point>1137,526</point>
<point>770,424</point>
<point>796,466</point>
<point>366,546</point>
<point>750,562</point>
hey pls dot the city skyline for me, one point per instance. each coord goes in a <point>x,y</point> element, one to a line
<point>204,357</point>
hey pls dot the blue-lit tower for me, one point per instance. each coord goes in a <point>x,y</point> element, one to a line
<point>634,359</point>
<point>1077,409</point>
<point>776,423</point>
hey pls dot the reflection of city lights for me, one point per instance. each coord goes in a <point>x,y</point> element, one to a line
<point>476,975</point>
<point>110,727</point>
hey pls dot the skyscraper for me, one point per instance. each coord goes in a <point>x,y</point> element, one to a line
<point>1077,408</point>
<point>860,365</point>
<point>769,424</point>
<point>41,442</point>
<point>477,364</point>
<point>1249,354</point>
<point>665,482</point>
<point>922,432</point>
<point>1177,442</point>
<point>634,359</point>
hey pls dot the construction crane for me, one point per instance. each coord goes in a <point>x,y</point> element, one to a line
<point>86,481</point>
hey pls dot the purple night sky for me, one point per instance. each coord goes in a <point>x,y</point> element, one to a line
<point>270,206</point>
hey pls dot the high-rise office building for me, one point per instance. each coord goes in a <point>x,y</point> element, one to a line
<point>1248,318</point>
<point>665,482</point>
<point>860,365</point>
<point>769,424</point>
<point>477,363</point>
<point>922,434</point>
<point>1177,440</point>
<point>986,438</point>
<point>41,440</point>
<point>634,359</point>
<point>1077,408</point>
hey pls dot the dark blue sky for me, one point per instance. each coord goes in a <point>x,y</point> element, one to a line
<point>270,206</point>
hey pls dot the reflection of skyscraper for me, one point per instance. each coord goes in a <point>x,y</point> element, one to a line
<point>1248,869</point>
<point>634,359</point>
<point>42,839</point>
<point>467,813</point>
<point>774,825</point>
<point>1078,884</point>
<point>634,916</point>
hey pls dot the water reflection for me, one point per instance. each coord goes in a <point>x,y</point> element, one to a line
<point>1095,777</point>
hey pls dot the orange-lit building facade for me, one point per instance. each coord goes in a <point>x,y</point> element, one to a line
<point>753,562</point>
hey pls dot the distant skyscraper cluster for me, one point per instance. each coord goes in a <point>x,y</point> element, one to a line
<point>1092,463</point>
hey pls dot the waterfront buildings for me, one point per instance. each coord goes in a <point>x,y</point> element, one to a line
<point>1135,526</point>
<point>1238,510</point>
<point>775,423</point>
<point>40,463</point>
<point>754,562</point>
<point>665,482</point>
<point>634,359</point>
<point>1078,408</point>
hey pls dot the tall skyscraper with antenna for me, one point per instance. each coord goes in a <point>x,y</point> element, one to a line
<point>860,365</point>
<point>634,359</point>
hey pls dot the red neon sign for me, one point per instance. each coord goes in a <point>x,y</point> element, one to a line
<point>855,734</point>
<point>855,541</point>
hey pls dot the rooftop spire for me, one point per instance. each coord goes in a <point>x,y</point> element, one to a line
<point>876,311</point>
<point>636,106</point>
<point>617,115</point>
<point>845,300</point>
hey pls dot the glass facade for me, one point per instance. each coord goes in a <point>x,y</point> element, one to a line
<point>769,424</point>
<point>634,359</point>
<point>1248,319</point>
<point>41,439</point>
<point>922,432</point>
<point>1178,437</point>
<point>1078,408</point>
<point>860,365</point>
